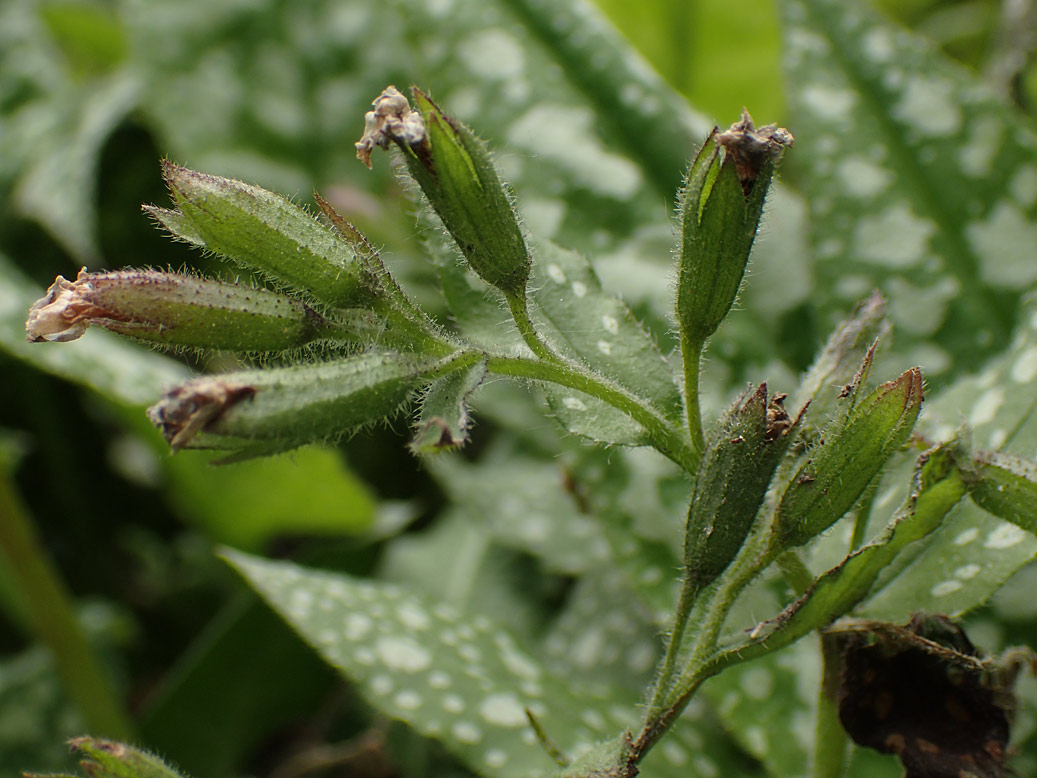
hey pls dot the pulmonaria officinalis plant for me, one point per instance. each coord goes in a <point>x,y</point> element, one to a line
<point>768,478</point>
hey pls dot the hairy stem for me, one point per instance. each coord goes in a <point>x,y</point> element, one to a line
<point>520,313</point>
<point>662,435</point>
<point>691,353</point>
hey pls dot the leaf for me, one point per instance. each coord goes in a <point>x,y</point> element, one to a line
<point>444,419</point>
<point>35,714</point>
<point>462,681</point>
<point>1006,486</point>
<point>913,166</point>
<point>769,707</point>
<point>525,503</point>
<point>57,183</point>
<point>600,330</point>
<point>316,495</point>
<point>242,652</point>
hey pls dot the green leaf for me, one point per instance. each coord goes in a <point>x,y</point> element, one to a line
<point>524,503</point>
<point>316,495</point>
<point>243,653</point>
<point>915,167</point>
<point>56,185</point>
<point>600,330</point>
<point>769,707</point>
<point>35,714</point>
<point>464,682</point>
<point>1006,486</point>
<point>444,420</point>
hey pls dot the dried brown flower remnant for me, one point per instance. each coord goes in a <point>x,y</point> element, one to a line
<point>778,420</point>
<point>750,146</point>
<point>392,119</point>
<point>63,314</point>
<point>186,410</point>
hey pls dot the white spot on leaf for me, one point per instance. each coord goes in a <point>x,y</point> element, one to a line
<point>407,700</point>
<point>574,403</point>
<point>828,102</point>
<point>967,572</point>
<point>1005,242</point>
<point>894,238</point>
<point>929,107</point>
<point>987,406</point>
<point>966,537</point>
<point>1005,536</point>
<point>944,588</point>
<point>402,654</point>
<point>862,178</point>
<point>493,54</point>
<point>1024,369</point>
<point>466,732</point>
<point>503,710</point>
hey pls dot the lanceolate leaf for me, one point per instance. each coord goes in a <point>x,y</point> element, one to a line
<point>920,180</point>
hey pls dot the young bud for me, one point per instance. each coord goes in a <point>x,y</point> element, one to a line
<point>852,451</point>
<point>454,170</point>
<point>265,232</point>
<point>109,759</point>
<point>741,455</point>
<point>173,310</point>
<point>262,411</point>
<point>720,207</point>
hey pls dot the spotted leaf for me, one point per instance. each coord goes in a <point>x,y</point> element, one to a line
<point>920,181</point>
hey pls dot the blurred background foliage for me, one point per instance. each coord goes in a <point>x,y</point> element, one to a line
<point>94,94</point>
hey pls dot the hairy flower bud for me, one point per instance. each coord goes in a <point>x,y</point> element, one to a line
<point>741,455</point>
<point>265,232</point>
<point>454,170</point>
<point>174,310</point>
<point>721,205</point>
<point>852,451</point>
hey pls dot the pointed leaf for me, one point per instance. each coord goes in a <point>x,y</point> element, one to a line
<point>915,165</point>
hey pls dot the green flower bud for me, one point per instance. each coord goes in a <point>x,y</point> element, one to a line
<point>720,206</point>
<point>741,454</point>
<point>454,170</point>
<point>262,411</point>
<point>263,231</point>
<point>173,310</point>
<point>109,759</point>
<point>850,454</point>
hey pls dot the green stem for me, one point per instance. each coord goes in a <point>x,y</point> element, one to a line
<point>795,571</point>
<point>664,680</point>
<point>520,313</point>
<point>691,352</point>
<point>830,741</point>
<point>663,436</point>
<point>53,617</point>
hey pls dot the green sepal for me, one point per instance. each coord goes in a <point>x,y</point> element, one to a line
<point>718,226</point>
<point>110,759</point>
<point>458,177</point>
<point>741,454</point>
<point>838,365</point>
<point>937,487</point>
<point>850,453</point>
<point>175,310</point>
<point>265,232</point>
<point>1005,486</point>
<point>444,420</point>
<point>262,411</point>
